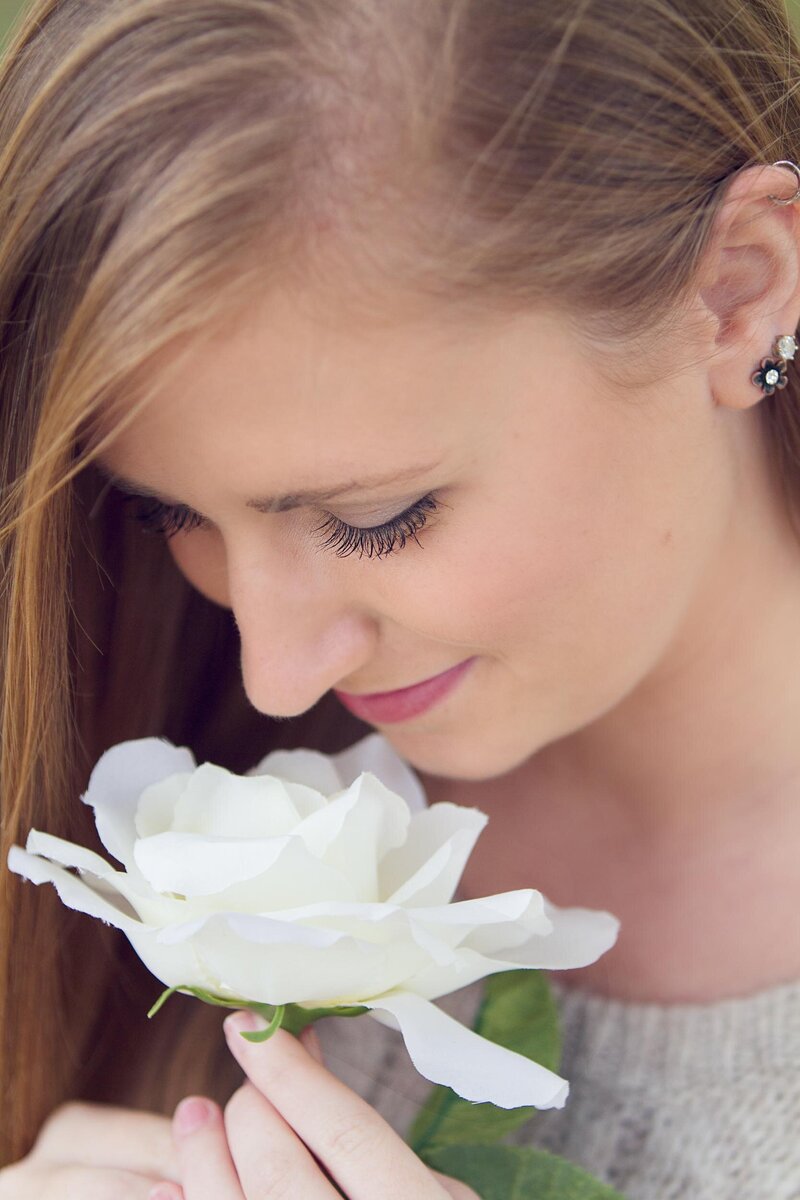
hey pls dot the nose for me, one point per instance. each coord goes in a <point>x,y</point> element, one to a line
<point>301,631</point>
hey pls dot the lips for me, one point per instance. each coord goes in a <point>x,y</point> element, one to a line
<point>403,703</point>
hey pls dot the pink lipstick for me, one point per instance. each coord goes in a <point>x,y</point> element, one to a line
<point>407,702</point>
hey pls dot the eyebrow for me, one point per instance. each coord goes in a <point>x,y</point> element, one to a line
<point>276,504</point>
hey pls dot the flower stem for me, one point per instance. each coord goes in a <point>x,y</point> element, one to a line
<point>292,1017</point>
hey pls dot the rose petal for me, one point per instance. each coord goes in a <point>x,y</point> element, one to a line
<point>267,872</point>
<point>216,803</point>
<point>448,1053</point>
<point>308,767</point>
<point>580,936</point>
<point>175,964</point>
<point>246,957</point>
<point>427,868</point>
<point>155,811</point>
<point>354,831</point>
<point>305,799</point>
<point>489,923</point>
<point>382,924</point>
<point>67,853</point>
<point>108,882</point>
<point>465,967</point>
<point>374,753</point>
<point>379,923</point>
<point>118,780</point>
<point>73,891</point>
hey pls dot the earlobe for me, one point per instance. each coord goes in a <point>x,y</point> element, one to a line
<point>750,287</point>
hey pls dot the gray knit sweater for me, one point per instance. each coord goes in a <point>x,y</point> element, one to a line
<point>667,1102</point>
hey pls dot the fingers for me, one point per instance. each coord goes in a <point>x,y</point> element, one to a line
<point>104,1135</point>
<point>271,1159</point>
<point>359,1149</point>
<point>250,1154</point>
<point>204,1160</point>
<point>70,1181</point>
<point>166,1191</point>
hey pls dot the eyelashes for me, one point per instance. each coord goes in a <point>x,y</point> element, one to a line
<point>343,539</point>
<point>156,517</point>
<point>381,539</point>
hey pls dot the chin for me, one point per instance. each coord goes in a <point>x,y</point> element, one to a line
<point>451,755</point>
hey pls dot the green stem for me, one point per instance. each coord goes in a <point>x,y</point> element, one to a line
<point>292,1017</point>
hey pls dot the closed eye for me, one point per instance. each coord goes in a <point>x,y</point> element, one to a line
<point>379,539</point>
<point>376,541</point>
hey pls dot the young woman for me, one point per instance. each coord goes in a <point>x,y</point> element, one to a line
<point>429,332</point>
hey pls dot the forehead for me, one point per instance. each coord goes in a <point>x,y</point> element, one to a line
<point>295,388</point>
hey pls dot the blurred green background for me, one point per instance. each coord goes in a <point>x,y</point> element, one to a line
<point>8,11</point>
<point>10,8</point>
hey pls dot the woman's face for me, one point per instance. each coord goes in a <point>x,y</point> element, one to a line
<point>573,529</point>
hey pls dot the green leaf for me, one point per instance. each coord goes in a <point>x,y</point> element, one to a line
<point>518,1173</point>
<point>517,1011</point>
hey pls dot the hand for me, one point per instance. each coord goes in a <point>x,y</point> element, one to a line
<point>293,1129</point>
<point>94,1150</point>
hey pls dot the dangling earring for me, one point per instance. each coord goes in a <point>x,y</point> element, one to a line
<point>772,372</point>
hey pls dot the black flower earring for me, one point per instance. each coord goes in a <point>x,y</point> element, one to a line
<point>772,372</point>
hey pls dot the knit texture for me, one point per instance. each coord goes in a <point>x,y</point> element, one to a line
<point>667,1102</point>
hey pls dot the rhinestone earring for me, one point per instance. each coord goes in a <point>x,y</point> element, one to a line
<point>772,373</point>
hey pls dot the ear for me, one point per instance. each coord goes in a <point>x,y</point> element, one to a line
<point>749,289</point>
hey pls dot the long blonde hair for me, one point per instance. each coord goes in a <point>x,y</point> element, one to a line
<point>160,164</point>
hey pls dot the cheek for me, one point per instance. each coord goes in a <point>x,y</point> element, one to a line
<point>580,575</point>
<point>573,594</point>
<point>200,556</point>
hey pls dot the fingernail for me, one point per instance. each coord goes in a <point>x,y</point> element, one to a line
<point>191,1114</point>
<point>242,1022</point>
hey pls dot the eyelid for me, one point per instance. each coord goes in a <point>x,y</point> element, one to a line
<point>379,540</point>
<point>383,512</point>
<point>343,538</point>
<point>378,514</point>
<point>308,499</point>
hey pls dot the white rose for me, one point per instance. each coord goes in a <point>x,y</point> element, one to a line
<point>319,880</point>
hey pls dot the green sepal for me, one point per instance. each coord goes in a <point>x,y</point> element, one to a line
<point>292,1017</point>
<point>518,1173</point>
<point>297,1016</point>
<point>517,1011</point>
<point>206,997</point>
<point>273,1023</point>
